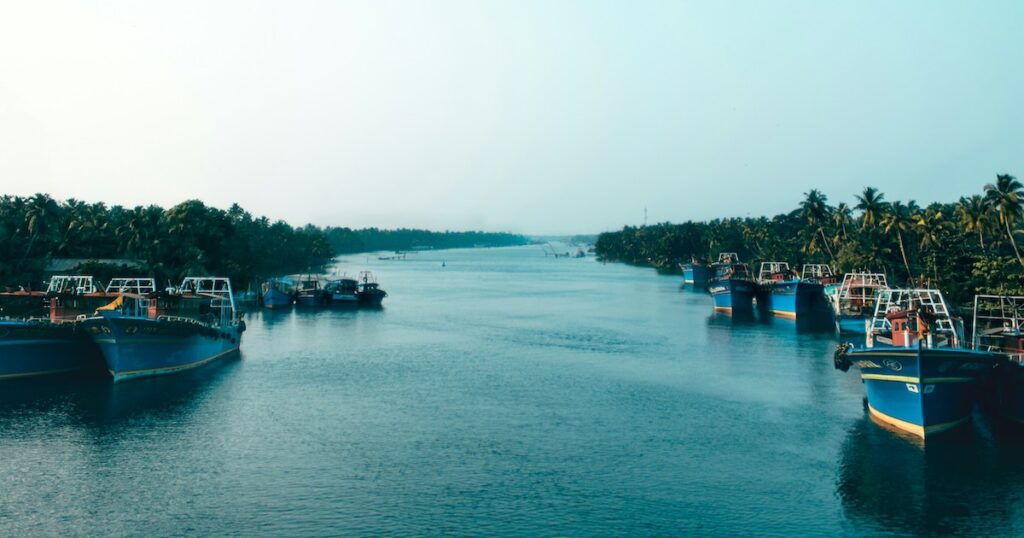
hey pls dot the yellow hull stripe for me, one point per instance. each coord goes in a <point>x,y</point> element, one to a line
<point>919,431</point>
<point>41,372</point>
<point>169,369</point>
<point>784,314</point>
<point>723,309</point>
<point>908,379</point>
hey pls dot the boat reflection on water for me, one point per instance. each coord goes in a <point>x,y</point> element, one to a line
<point>806,325</point>
<point>889,485</point>
<point>95,400</point>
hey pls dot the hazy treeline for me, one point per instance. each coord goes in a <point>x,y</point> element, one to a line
<point>346,240</point>
<point>963,248</point>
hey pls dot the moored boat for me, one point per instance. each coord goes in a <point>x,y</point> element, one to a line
<point>343,291</point>
<point>696,273</point>
<point>40,346</point>
<point>278,293</point>
<point>732,287</point>
<point>159,333</point>
<point>310,293</point>
<point>790,296</point>
<point>918,374</point>
<point>853,302</point>
<point>370,293</point>
<point>999,327</point>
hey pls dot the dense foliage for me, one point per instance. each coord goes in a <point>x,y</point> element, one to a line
<point>963,248</point>
<point>346,240</point>
<point>189,238</point>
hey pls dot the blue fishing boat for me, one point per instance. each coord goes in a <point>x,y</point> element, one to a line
<point>696,273</point>
<point>790,296</point>
<point>278,293</point>
<point>39,346</point>
<point>309,293</point>
<point>732,287</point>
<point>343,291</point>
<point>919,376</point>
<point>48,339</point>
<point>853,302</point>
<point>144,335</point>
<point>999,327</point>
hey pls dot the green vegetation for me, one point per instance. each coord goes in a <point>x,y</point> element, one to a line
<point>346,241</point>
<point>962,248</point>
<point>187,239</point>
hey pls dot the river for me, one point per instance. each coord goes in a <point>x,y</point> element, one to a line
<point>503,393</point>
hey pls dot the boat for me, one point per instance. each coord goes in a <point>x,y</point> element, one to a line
<point>919,375</point>
<point>820,273</point>
<point>370,293</point>
<point>50,339</point>
<point>343,291</point>
<point>310,293</point>
<point>998,326</point>
<point>853,302</point>
<point>732,287</point>
<point>144,335</point>
<point>790,296</point>
<point>278,293</point>
<point>696,273</point>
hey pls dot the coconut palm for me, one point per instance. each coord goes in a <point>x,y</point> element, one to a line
<point>929,225</point>
<point>815,210</point>
<point>842,216</point>
<point>975,215</point>
<point>872,204</point>
<point>1006,196</point>
<point>898,218</point>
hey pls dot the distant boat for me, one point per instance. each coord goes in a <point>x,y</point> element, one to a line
<point>789,296</point>
<point>141,335</point>
<point>732,287</point>
<point>695,273</point>
<point>370,293</point>
<point>998,326</point>
<point>278,293</point>
<point>853,301</point>
<point>309,293</point>
<point>344,291</point>
<point>918,374</point>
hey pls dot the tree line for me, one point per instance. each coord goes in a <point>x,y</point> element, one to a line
<point>347,240</point>
<point>190,238</point>
<point>963,248</point>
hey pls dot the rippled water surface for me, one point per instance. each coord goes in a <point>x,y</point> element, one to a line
<point>504,394</point>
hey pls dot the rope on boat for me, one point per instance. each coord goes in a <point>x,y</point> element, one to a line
<point>840,359</point>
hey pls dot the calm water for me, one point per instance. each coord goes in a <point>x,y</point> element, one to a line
<point>505,394</point>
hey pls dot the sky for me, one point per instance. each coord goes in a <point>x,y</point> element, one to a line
<point>537,117</point>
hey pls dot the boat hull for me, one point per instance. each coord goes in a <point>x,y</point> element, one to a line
<point>139,347</point>
<point>1005,395</point>
<point>310,299</point>
<point>696,275</point>
<point>852,325</point>
<point>344,299</point>
<point>796,299</point>
<point>923,391</point>
<point>30,349</point>
<point>733,295</point>
<point>273,298</point>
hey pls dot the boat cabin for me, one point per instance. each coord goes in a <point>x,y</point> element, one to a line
<point>905,317</point>
<point>999,325</point>
<point>775,272</point>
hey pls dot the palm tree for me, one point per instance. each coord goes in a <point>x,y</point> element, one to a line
<point>975,215</point>
<point>1006,195</point>
<point>842,216</point>
<point>872,203</point>
<point>898,218</point>
<point>815,210</point>
<point>929,224</point>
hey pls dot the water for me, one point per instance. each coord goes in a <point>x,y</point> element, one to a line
<point>504,394</point>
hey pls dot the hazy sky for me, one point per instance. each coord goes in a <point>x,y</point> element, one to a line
<point>536,117</point>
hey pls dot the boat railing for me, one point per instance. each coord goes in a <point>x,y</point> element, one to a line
<point>219,288</point>
<point>816,271</point>
<point>996,317</point>
<point>929,300</point>
<point>728,257</point>
<point>140,286</point>
<point>768,270</point>
<point>76,284</point>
